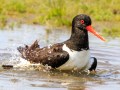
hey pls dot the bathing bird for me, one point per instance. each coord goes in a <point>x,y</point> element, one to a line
<point>73,53</point>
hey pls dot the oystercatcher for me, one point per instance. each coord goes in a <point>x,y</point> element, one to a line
<point>70,54</point>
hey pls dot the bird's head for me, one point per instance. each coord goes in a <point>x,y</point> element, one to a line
<point>83,22</point>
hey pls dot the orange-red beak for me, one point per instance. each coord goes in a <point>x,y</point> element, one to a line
<point>89,28</point>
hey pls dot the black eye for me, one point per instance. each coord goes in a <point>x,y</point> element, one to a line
<point>82,21</point>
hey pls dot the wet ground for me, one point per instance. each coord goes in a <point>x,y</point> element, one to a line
<point>25,76</point>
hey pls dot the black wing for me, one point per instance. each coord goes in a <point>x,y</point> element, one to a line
<point>52,56</point>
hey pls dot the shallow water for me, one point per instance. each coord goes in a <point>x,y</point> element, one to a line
<point>25,76</point>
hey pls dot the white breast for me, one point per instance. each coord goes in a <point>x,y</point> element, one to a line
<point>77,59</point>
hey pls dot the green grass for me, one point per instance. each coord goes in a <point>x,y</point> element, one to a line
<point>111,32</point>
<point>57,13</point>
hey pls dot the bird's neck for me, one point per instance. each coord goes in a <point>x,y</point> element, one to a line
<point>78,40</point>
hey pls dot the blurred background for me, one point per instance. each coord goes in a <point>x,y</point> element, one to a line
<point>59,13</point>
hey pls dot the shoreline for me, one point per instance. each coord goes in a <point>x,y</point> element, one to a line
<point>59,13</point>
<point>107,29</point>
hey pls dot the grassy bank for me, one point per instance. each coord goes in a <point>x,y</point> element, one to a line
<point>57,13</point>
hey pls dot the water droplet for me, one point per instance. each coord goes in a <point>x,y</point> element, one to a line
<point>49,51</point>
<point>49,58</point>
<point>49,45</point>
<point>61,54</point>
<point>75,68</point>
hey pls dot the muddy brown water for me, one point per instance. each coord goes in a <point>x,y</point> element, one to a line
<point>25,76</point>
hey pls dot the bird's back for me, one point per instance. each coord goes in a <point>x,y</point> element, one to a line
<point>52,56</point>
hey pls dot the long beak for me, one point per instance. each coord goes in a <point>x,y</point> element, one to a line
<point>89,28</point>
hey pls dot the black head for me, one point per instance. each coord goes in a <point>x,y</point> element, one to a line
<point>81,21</point>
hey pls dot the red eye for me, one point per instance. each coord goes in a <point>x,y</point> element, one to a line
<point>82,21</point>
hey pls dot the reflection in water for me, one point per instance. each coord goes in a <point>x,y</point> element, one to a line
<point>34,76</point>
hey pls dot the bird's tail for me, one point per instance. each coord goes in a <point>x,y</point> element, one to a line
<point>27,48</point>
